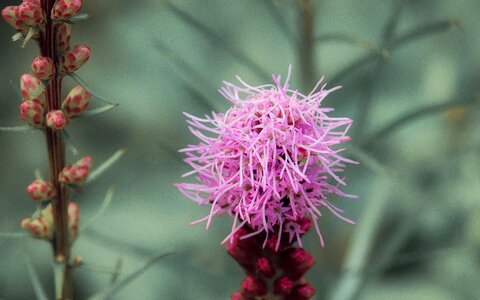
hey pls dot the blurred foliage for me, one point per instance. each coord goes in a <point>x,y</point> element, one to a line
<point>409,71</point>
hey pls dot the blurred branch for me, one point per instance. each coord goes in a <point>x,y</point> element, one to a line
<point>306,45</point>
<point>403,40</point>
<point>411,116</point>
<point>354,40</point>
<point>217,40</point>
<point>115,288</point>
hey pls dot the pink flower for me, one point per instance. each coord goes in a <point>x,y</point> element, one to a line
<point>270,161</point>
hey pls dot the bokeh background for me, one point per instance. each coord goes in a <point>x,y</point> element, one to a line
<point>409,71</point>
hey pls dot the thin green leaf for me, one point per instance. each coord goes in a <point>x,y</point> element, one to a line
<point>411,116</point>
<point>38,174</point>
<point>115,288</point>
<point>105,165</point>
<point>354,40</point>
<point>13,235</point>
<point>273,9</point>
<point>16,128</point>
<point>97,111</point>
<point>217,40</point>
<point>117,271</point>
<point>69,142</point>
<point>34,279</point>
<point>105,203</point>
<point>81,82</point>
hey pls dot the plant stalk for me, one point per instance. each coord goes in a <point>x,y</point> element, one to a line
<point>56,157</point>
<point>307,43</point>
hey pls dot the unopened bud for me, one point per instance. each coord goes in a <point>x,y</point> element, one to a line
<point>31,14</point>
<point>302,292</point>
<point>265,267</point>
<point>283,286</point>
<point>56,119</point>
<point>254,286</point>
<point>43,68</point>
<point>30,86</point>
<point>240,296</point>
<point>64,34</point>
<point>42,226</point>
<point>73,220</point>
<point>65,9</point>
<point>75,58</point>
<point>41,190</point>
<point>32,113</point>
<point>77,101</point>
<point>42,100</point>
<point>76,173</point>
<point>11,15</point>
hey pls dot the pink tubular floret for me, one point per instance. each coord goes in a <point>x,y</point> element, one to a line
<point>270,161</point>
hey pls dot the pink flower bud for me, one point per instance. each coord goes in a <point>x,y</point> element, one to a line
<point>265,267</point>
<point>42,226</point>
<point>296,262</point>
<point>73,220</point>
<point>85,162</point>
<point>56,119</point>
<point>77,101</point>
<point>30,86</point>
<point>31,14</point>
<point>65,9</point>
<point>41,190</point>
<point>32,113</point>
<point>283,286</point>
<point>240,296</point>
<point>75,58</point>
<point>302,292</point>
<point>76,173</point>
<point>43,68</point>
<point>254,286</point>
<point>64,34</point>
<point>11,15</point>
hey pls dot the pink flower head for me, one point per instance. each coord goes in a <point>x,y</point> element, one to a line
<point>270,161</point>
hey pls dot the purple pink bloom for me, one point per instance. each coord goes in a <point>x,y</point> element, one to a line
<point>272,160</point>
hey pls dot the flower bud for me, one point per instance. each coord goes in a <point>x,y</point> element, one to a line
<point>73,220</point>
<point>56,119</point>
<point>75,58</point>
<point>42,226</point>
<point>43,68</point>
<point>42,100</point>
<point>296,262</point>
<point>31,14</point>
<point>85,162</point>
<point>65,9</point>
<point>302,292</point>
<point>76,173</point>
<point>41,190</point>
<point>30,86</point>
<point>64,34</point>
<point>77,101</point>
<point>32,113</point>
<point>11,15</point>
<point>283,286</point>
<point>238,295</point>
<point>265,267</point>
<point>254,286</point>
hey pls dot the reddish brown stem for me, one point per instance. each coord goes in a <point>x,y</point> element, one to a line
<point>56,157</point>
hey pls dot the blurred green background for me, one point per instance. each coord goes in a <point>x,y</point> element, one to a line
<point>418,211</point>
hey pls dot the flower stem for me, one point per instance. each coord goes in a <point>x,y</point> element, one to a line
<point>307,43</point>
<point>56,157</point>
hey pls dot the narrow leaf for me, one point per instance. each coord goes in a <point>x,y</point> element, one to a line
<point>69,142</point>
<point>37,285</point>
<point>59,278</point>
<point>217,40</point>
<point>115,288</point>
<point>13,235</point>
<point>98,111</point>
<point>105,203</point>
<point>105,166</point>
<point>16,128</point>
<point>81,82</point>
<point>117,271</point>
<point>38,174</point>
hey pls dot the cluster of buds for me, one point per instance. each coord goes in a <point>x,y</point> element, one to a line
<point>276,265</point>
<point>33,108</point>
<point>76,173</point>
